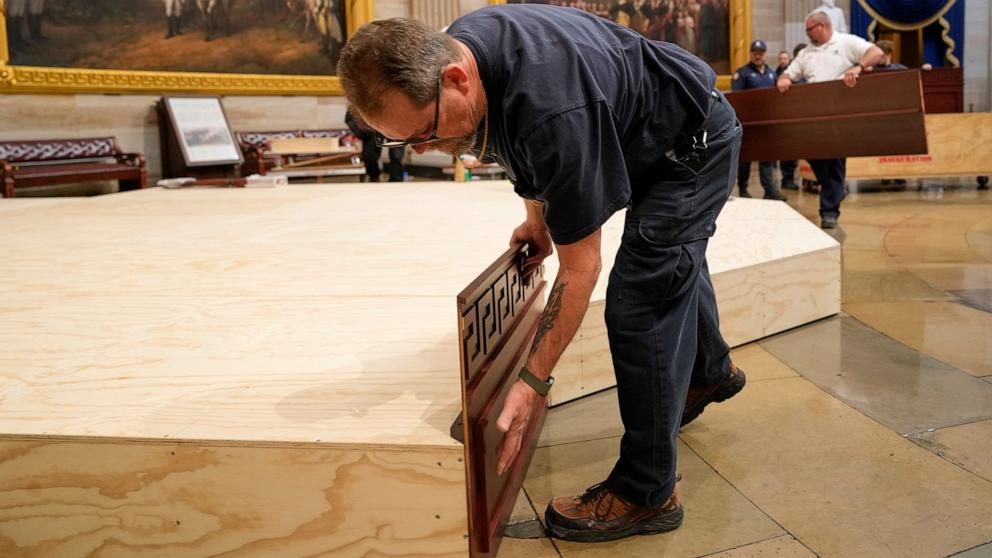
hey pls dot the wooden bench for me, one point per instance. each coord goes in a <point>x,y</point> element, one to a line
<point>261,158</point>
<point>33,163</point>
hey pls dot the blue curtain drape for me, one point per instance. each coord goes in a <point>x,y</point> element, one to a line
<point>914,13</point>
<point>906,11</point>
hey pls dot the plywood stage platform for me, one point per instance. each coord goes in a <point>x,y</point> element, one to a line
<point>275,372</point>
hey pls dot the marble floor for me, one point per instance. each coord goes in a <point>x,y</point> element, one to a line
<point>865,434</point>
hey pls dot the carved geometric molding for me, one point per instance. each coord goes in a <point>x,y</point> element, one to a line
<point>497,318</point>
<point>489,312</point>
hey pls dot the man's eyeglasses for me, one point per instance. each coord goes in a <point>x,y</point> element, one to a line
<point>383,141</point>
<point>812,27</point>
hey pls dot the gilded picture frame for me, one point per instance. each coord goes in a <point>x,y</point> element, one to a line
<point>37,79</point>
<point>740,37</point>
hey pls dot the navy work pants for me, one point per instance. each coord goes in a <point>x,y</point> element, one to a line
<point>661,313</point>
<point>788,169</point>
<point>830,173</point>
<point>766,172</point>
<point>370,156</point>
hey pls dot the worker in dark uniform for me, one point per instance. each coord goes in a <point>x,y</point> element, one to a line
<point>788,168</point>
<point>755,75</point>
<point>371,151</point>
<point>587,118</point>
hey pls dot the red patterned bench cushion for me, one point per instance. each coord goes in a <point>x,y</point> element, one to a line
<point>261,139</point>
<point>55,150</point>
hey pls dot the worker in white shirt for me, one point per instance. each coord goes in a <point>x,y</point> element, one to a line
<point>830,56</point>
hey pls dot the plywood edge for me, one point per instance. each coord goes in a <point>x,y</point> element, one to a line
<point>808,284</point>
<point>73,498</point>
<point>835,246</point>
<point>456,448</point>
<point>814,278</point>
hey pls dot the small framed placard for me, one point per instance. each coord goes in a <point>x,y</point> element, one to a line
<point>202,131</point>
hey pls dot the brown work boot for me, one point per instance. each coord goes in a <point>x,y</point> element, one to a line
<point>600,515</point>
<point>699,397</point>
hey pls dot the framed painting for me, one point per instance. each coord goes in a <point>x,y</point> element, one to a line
<point>718,31</point>
<point>244,47</point>
<point>204,134</point>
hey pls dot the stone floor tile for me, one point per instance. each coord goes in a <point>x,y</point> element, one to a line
<point>717,516</point>
<point>527,548</point>
<point>759,364</point>
<point>983,551</point>
<point>779,547</point>
<point>522,510</point>
<point>980,299</point>
<point>839,482</point>
<point>593,416</point>
<point>858,236</point>
<point>894,384</point>
<point>954,276</point>
<point>869,276</point>
<point>952,333</point>
<point>968,445</point>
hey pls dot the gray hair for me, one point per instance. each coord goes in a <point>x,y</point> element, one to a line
<point>398,53</point>
<point>819,15</point>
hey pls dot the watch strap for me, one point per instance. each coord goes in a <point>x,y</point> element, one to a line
<point>540,386</point>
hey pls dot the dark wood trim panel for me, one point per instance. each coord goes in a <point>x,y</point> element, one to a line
<point>882,115</point>
<point>498,315</point>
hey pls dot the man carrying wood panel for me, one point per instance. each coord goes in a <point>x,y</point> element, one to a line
<point>830,56</point>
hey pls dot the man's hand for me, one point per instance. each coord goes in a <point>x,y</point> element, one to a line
<point>851,76</point>
<point>513,421</point>
<point>783,83</point>
<point>539,239</point>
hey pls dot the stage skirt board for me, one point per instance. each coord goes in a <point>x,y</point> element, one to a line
<point>275,372</point>
<point>772,270</point>
<point>959,144</point>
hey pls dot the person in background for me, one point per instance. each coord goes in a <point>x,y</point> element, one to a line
<point>15,11</point>
<point>783,62</point>
<point>36,12</point>
<point>788,168</point>
<point>831,56</point>
<point>371,152</point>
<point>755,75</point>
<point>886,64</point>
<point>795,54</point>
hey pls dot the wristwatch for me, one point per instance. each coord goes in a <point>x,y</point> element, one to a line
<point>540,386</point>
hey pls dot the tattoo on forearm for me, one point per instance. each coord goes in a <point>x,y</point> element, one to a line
<point>550,315</point>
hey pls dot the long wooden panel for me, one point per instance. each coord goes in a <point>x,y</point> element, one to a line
<point>960,144</point>
<point>497,316</point>
<point>882,115</point>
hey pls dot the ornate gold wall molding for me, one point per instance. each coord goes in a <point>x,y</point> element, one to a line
<point>740,37</point>
<point>34,79</point>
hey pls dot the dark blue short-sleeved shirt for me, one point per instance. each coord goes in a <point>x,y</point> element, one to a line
<point>750,76</point>
<point>581,110</point>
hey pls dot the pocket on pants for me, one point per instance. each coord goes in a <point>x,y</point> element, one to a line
<point>652,266</point>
